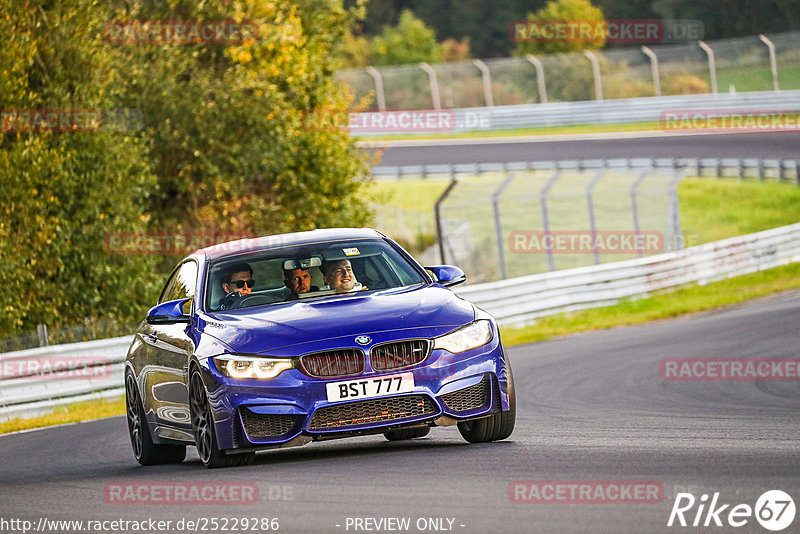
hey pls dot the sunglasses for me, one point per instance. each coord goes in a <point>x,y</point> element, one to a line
<point>241,283</point>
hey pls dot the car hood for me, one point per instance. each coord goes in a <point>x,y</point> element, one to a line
<point>266,328</point>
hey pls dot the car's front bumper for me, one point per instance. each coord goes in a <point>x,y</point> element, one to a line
<point>293,409</point>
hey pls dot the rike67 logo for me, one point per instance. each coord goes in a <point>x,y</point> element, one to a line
<point>774,510</point>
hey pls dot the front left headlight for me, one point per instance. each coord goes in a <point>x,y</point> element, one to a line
<point>239,366</point>
<point>468,337</point>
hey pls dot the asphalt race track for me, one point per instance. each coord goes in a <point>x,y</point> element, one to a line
<point>591,407</point>
<point>770,145</point>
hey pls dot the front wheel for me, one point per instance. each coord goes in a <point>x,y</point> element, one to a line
<point>144,450</point>
<point>205,435</point>
<point>497,426</point>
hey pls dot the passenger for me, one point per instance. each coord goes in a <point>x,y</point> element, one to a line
<point>340,277</point>
<point>298,281</point>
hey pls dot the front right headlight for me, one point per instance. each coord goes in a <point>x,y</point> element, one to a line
<point>468,337</point>
<point>239,366</point>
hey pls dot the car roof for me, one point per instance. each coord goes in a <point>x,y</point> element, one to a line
<point>243,246</point>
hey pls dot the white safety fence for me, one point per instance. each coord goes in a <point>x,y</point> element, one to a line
<point>521,300</point>
<point>35,381</point>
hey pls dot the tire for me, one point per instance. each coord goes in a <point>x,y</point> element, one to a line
<point>408,433</point>
<point>205,434</point>
<point>144,450</point>
<point>497,426</point>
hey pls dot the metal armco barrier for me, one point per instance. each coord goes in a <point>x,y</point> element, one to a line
<point>617,111</point>
<point>515,301</point>
<point>34,381</point>
<point>523,299</point>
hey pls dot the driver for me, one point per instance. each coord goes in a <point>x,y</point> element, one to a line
<point>237,282</point>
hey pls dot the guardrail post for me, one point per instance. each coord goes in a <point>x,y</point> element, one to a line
<point>773,64</point>
<point>551,264</point>
<point>498,228</point>
<point>41,329</point>
<point>438,213</point>
<point>533,60</point>
<point>598,82</point>
<point>434,81</point>
<point>653,69</point>
<point>487,81</point>
<point>592,220</point>
<point>636,228</point>
<point>379,94</point>
<point>712,66</point>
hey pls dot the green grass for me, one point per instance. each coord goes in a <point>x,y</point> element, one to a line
<point>664,305</point>
<point>746,79</point>
<point>78,411</point>
<point>713,209</point>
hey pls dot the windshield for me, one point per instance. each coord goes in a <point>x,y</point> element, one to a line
<point>309,271</point>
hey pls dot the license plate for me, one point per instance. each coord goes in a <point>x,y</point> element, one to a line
<point>366,388</point>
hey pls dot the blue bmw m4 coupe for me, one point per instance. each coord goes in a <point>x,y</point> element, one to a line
<point>283,340</point>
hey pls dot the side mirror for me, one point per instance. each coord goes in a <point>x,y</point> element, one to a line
<point>448,275</point>
<point>169,312</point>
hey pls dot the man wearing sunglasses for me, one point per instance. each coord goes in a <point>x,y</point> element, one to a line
<point>237,283</point>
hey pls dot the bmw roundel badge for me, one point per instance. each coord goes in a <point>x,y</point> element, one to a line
<point>363,340</point>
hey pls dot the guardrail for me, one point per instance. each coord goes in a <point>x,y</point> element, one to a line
<point>526,298</point>
<point>617,111</point>
<point>785,170</point>
<point>515,301</point>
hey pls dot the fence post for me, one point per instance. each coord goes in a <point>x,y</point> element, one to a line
<point>674,225</point>
<point>487,82</point>
<point>598,82</point>
<point>592,220</point>
<point>434,81</point>
<point>653,69</point>
<point>41,329</point>
<point>498,228</point>
<point>551,264</point>
<point>379,94</point>
<point>712,66</point>
<point>773,64</point>
<point>533,60</point>
<point>636,229</point>
<point>438,213</point>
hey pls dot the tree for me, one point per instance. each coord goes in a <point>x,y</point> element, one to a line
<point>62,191</point>
<point>566,11</point>
<point>224,145</point>
<point>411,41</point>
<point>230,142</point>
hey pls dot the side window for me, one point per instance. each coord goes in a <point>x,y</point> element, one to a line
<point>182,285</point>
<point>166,294</point>
<point>185,284</point>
